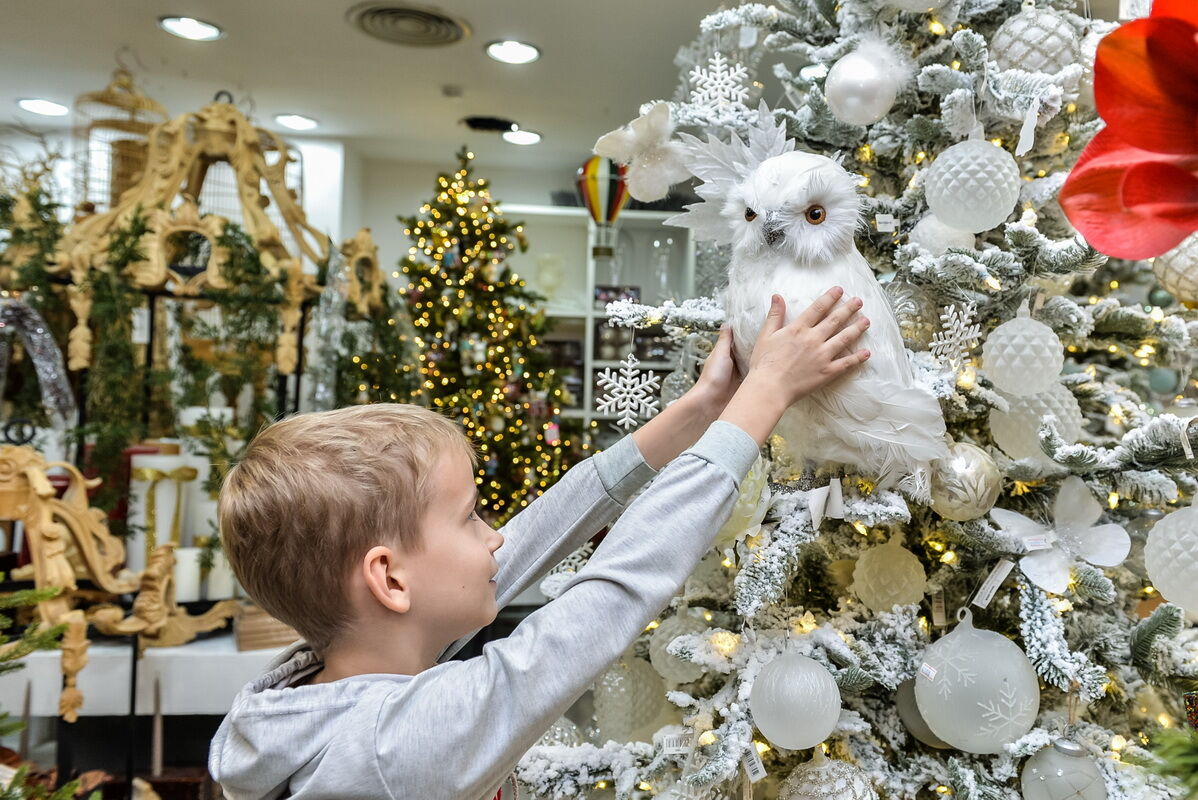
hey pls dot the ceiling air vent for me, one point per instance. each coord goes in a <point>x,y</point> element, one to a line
<point>416,26</point>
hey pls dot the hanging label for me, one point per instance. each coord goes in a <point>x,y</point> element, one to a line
<point>1134,9</point>
<point>1038,302</point>
<point>678,744</point>
<point>1185,439</point>
<point>1036,541</point>
<point>1027,133</point>
<point>886,223</point>
<point>928,671</point>
<point>141,325</point>
<point>748,37</point>
<point>752,764</point>
<point>990,586</point>
<point>939,618</point>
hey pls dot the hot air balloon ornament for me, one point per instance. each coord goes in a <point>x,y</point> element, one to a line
<point>604,192</point>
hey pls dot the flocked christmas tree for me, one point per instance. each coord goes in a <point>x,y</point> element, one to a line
<point>998,630</point>
<point>479,339</point>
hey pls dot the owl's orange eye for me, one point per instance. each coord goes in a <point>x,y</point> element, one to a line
<point>750,214</point>
<point>815,215</point>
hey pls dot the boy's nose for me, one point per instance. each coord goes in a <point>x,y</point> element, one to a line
<point>498,541</point>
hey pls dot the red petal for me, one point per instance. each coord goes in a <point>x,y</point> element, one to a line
<point>1163,190</point>
<point>1092,199</point>
<point>1146,84</point>
<point>1176,9</point>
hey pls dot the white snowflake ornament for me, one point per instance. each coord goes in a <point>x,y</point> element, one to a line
<point>655,160</point>
<point>958,335</point>
<point>629,393</point>
<point>719,84</point>
<point>1073,537</point>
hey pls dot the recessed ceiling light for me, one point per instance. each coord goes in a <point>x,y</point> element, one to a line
<point>47,108</point>
<point>190,28</point>
<point>513,52</point>
<point>520,136</point>
<point>296,122</point>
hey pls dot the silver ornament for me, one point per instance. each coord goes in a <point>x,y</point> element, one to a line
<point>934,236</point>
<point>563,732</point>
<point>1023,356</point>
<point>824,778</point>
<point>670,667</point>
<point>915,311</point>
<point>1177,270</point>
<point>861,88</point>
<point>1035,40</point>
<point>966,484</point>
<point>889,575</point>
<point>973,185</point>
<point>1017,430</point>
<point>908,711</point>
<point>795,702</point>
<point>1169,557</point>
<point>1062,771</point>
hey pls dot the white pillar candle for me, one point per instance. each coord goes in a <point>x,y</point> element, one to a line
<point>166,476</point>
<point>220,578</point>
<point>187,574</point>
<point>200,511</point>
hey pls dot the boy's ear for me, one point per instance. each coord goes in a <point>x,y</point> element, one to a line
<point>386,579</point>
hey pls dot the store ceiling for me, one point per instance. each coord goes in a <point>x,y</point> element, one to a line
<point>600,60</point>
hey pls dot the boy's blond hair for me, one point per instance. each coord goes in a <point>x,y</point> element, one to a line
<point>315,491</point>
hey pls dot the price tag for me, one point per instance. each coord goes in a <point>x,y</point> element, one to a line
<point>1185,439</point>
<point>928,671</point>
<point>886,223</point>
<point>990,586</point>
<point>939,618</point>
<point>678,744</point>
<point>141,325</point>
<point>752,764</point>
<point>748,37</point>
<point>1036,541</point>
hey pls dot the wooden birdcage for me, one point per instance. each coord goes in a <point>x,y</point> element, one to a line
<point>111,132</point>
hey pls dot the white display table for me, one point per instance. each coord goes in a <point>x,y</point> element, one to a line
<point>202,677</point>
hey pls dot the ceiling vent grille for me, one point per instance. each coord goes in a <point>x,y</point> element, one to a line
<point>414,26</point>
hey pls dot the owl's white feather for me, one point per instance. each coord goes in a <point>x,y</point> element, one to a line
<point>876,420</point>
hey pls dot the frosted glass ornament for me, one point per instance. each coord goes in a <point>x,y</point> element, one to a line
<point>824,778</point>
<point>1177,270</point>
<point>889,575</point>
<point>628,697</point>
<point>973,185</point>
<point>1035,40</point>
<point>795,702</point>
<point>976,689</point>
<point>934,236</point>
<point>1023,356</point>
<point>1062,771</point>
<point>563,732</point>
<point>965,484</point>
<point>915,311</point>
<point>861,88</point>
<point>917,6</point>
<point>1169,556</point>
<point>670,667</point>
<point>1017,431</point>
<point>908,711</point>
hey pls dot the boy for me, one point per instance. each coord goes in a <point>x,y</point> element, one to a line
<point>356,527</point>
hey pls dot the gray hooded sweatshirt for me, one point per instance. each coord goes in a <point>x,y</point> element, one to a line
<point>455,731</point>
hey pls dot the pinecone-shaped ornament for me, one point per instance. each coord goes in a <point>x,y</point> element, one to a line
<point>1035,40</point>
<point>1022,356</point>
<point>823,778</point>
<point>1177,270</point>
<point>1169,557</point>
<point>973,185</point>
<point>1017,430</point>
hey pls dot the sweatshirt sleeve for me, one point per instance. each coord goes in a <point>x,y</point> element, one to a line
<point>494,707</point>
<point>586,499</point>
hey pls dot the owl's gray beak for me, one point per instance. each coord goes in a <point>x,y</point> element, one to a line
<point>773,229</point>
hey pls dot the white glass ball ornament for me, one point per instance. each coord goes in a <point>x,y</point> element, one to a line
<point>670,667</point>
<point>1062,771</point>
<point>966,483</point>
<point>908,711</point>
<point>628,697</point>
<point>795,702</point>
<point>1023,356</point>
<point>563,732</point>
<point>973,185</point>
<point>915,311</point>
<point>917,6</point>
<point>1017,430</point>
<point>976,689</point>
<point>934,236</point>
<point>1177,270</point>
<point>1169,556</point>
<point>861,87</point>
<point>1035,40</point>
<point>824,778</point>
<point>889,575</point>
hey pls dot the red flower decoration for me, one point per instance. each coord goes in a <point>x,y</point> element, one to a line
<point>1134,192</point>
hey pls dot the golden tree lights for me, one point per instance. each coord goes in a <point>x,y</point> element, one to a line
<point>478,335</point>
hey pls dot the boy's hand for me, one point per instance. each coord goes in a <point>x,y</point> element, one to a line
<point>720,377</point>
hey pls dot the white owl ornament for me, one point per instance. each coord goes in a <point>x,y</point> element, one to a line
<point>790,218</point>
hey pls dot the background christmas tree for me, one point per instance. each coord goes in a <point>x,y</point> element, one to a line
<point>479,337</point>
<point>961,120</point>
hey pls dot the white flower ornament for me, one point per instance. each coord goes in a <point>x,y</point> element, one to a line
<point>1073,537</point>
<point>655,161</point>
